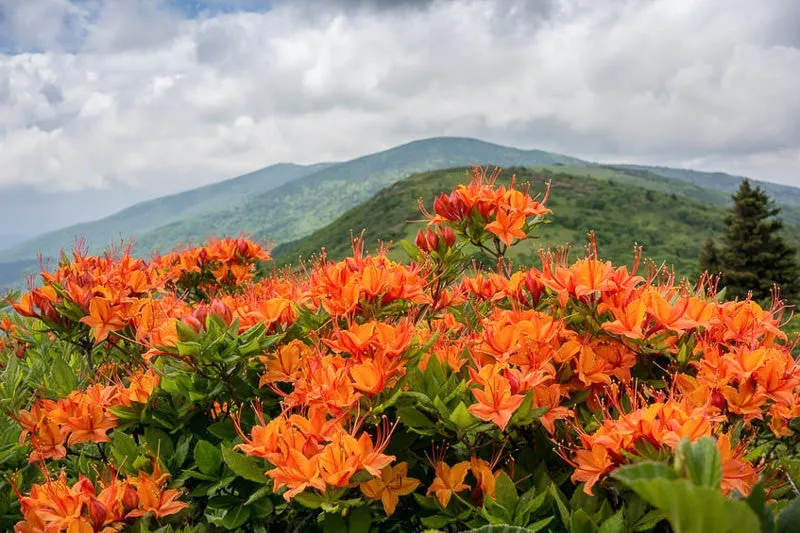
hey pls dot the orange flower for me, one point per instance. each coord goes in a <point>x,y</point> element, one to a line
<point>508,226</point>
<point>284,364</point>
<point>592,465</point>
<point>90,424</point>
<point>392,483</point>
<point>103,319</point>
<point>487,479</point>
<point>448,481</point>
<point>496,403</point>
<point>628,321</point>
<point>142,385</point>
<point>153,498</point>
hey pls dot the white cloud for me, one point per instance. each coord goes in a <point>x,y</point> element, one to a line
<point>132,91</point>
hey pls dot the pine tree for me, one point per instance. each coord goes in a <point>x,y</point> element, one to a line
<point>753,256</point>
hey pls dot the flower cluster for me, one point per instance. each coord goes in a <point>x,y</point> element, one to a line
<point>325,389</point>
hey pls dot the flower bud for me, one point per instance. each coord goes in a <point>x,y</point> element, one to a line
<point>513,381</point>
<point>97,513</point>
<point>223,311</point>
<point>193,323</point>
<point>421,242</point>
<point>448,235</point>
<point>129,497</point>
<point>717,399</point>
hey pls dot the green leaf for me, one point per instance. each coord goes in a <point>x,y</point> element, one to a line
<point>527,504</point>
<point>412,418</point>
<point>757,500</point>
<point>334,523</point>
<point>580,522</point>
<point>263,492</point>
<point>789,519</point>
<point>540,524</point>
<point>644,471</point>
<point>244,465</point>
<point>436,521</point>
<point>410,250</point>
<point>159,442</point>
<point>506,492</point>
<point>649,520</point>
<point>690,508</point>
<point>63,376</point>
<point>236,517</point>
<point>309,499</point>
<point>506,529</point>
<point>224,430</point>
<point>562,507</point>
<point>702,460</point>
<point>124,449</point>
<point>360,520</point>
<point>182,450</point>
<point>461,417</point>
<point>615,524</point>
<point>208,457</point>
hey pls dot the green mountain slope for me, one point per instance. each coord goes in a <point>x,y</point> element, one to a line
<point>671,228</point>
<point>787,196</point>
<point>302,206</point>
<point>151,214</point>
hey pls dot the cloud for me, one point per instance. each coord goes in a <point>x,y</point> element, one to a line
<point>165,96</point>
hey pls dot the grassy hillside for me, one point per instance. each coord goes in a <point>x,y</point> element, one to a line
<point>670,227</point>
<point>725,184</point>
<point>151,214</point>
<point>303,206</point>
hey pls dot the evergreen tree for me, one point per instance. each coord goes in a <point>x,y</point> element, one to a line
<point>753,256</point>
<point>709,258</point>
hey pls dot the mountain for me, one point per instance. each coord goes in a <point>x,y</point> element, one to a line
<point>621,214</point>
<point>302,206</point>
<point>152,214</point>
<point>286,202</point>
<point>786,196</point>
<point>10,239</point>
<point>26,212</point>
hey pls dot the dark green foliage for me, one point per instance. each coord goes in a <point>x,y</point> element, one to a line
<point>671,230</point>
<point>753,255</point>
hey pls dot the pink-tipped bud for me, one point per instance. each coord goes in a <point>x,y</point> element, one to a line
<point>193,323</point>
<point>223,311</point>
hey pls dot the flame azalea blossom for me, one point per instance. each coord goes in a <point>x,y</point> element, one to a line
<point>392,483</point>
<point>336,373</point>
<point>449,481</point>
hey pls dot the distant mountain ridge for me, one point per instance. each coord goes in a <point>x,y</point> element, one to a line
<point>285,202</point>
<point>150,214</point>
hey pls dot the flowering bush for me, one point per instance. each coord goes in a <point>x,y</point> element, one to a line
<point>186,394</point>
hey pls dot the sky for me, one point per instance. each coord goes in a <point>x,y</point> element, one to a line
<point>162,96</point>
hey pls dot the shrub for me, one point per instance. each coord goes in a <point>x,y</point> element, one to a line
<point>184,394</point>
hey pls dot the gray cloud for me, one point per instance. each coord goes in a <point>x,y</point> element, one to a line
<point>138,92</point>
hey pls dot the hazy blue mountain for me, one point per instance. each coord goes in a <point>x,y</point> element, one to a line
<point>26,211</point>
<point>150,214</point>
